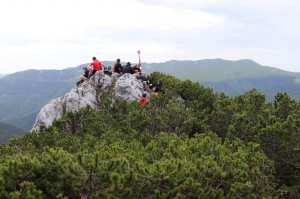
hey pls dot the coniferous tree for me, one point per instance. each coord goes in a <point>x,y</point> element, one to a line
<point>187,143</point>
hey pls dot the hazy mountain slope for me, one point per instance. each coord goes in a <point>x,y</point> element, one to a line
<point>8,131</point>
<point>22,94</point>
<point>233,77</point>
<point>26,121</point>
<point>2,75</point>
<point>269,85</point>
<point>216,70</point>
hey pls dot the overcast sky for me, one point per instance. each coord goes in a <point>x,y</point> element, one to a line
<point>57,34</point>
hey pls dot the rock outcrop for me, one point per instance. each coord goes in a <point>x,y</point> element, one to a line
<point>125,87</point>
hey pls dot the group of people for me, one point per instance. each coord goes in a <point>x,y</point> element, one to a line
<point>156,91</point>
<point>136,70</point>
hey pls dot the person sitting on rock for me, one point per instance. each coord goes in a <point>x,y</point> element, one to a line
<point>157,89</point>
<point>144,99</point>
<point>118,67</point>
<point>140,75</point>
<point>84,76</point>
<point>137,68</point>
<point>128,69</point>
<point>94,66</point>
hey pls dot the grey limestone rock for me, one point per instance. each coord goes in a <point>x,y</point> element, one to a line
<point>128,88</point>
<point>89,93</point>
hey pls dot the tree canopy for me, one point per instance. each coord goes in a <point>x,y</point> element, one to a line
<point>189,142</point>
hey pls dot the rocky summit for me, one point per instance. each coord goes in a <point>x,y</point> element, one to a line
<point>125,87</point>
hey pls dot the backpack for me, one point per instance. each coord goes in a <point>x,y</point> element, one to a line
<point>107,70</point>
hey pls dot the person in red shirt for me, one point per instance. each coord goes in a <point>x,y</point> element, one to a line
<point>144,99</point>
<point>94,66</point>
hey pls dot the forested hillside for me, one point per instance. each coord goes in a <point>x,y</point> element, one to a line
<point>216,70</point>
<point>23,94</point>
<point>188,142</point>
<point>8,131</point>
<point>269,85</point>
<point>233,77</point>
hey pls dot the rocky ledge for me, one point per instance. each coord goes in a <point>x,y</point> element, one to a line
<point>125,87</point>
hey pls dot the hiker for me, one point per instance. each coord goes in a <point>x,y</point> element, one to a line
<point>118,67</point>
<point>140,75</point>
<point>128,69</point>
<point>94,66</point>
<point>84,76</point>
<point>144,99</point>
<point>137,68</point>
<point>157,89</point>
<point>138,71</point>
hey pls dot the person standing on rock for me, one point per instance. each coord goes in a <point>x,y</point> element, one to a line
<point>94,66</point>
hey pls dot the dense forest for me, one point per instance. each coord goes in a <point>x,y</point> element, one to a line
<point>188,142</point>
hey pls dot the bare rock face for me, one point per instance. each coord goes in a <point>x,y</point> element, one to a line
<point>54,109</point>
<point>89,93</point>
<point>128,88</point>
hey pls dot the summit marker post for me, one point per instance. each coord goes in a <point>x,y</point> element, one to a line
<point>139,54</point>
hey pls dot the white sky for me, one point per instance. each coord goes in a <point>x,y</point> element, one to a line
<point>57,34</point>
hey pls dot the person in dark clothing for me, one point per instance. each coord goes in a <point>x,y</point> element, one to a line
<point>118,67</point>
<point>128,68</point>
<point>84,76</point>
<point>158,87</point>
<point>137,68</point>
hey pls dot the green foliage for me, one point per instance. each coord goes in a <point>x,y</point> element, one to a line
<point>280,142</point>
<point>187,143</point>
<point>284,105</point>
<point>245,122</point>
<point>27,191</point>
<point>122,165</point>
<point>221,116</point>
<point>24,93</point>
<point>52,172</point>
<point>232,77</point>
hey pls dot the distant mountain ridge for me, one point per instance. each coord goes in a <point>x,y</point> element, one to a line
<point>22,94</point>
<point>233,77</point>
<point>2,75</point>
<point>216,70</point>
